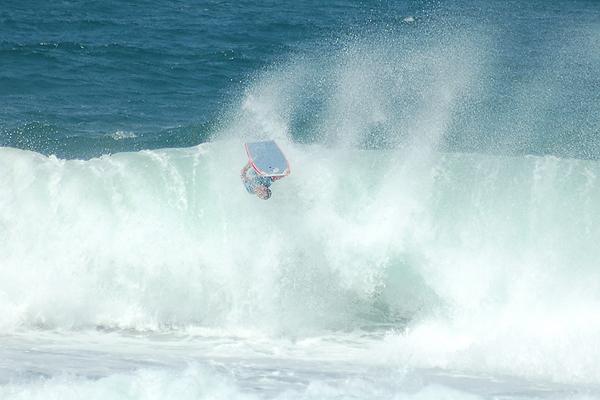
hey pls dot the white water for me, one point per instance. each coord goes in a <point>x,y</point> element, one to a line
<point>131,275</point>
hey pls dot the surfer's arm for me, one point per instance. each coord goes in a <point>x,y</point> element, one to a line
<point>244,171</point>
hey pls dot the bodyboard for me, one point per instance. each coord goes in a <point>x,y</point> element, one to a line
<point>267,159</point>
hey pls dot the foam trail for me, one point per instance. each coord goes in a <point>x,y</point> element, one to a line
<point>197,382</point>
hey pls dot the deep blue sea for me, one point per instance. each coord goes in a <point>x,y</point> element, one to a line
<point>79,79</point>
<point>437,237</point>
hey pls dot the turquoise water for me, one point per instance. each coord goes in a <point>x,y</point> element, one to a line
<point>436,239</point>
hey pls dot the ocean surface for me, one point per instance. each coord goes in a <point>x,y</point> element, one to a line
<point>438,237</point>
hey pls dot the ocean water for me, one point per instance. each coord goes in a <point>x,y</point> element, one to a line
<point>436,239</point>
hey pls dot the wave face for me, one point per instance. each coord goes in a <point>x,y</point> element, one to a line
<point>478,262</point>
<point>463,246</point>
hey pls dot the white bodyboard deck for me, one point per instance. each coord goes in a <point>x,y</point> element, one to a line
<point>267,159</point>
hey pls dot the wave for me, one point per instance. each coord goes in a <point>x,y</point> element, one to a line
<point>163,238</point>
<point>464,261</point>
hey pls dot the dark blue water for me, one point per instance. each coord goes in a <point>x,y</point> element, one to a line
<point>78,79</point>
